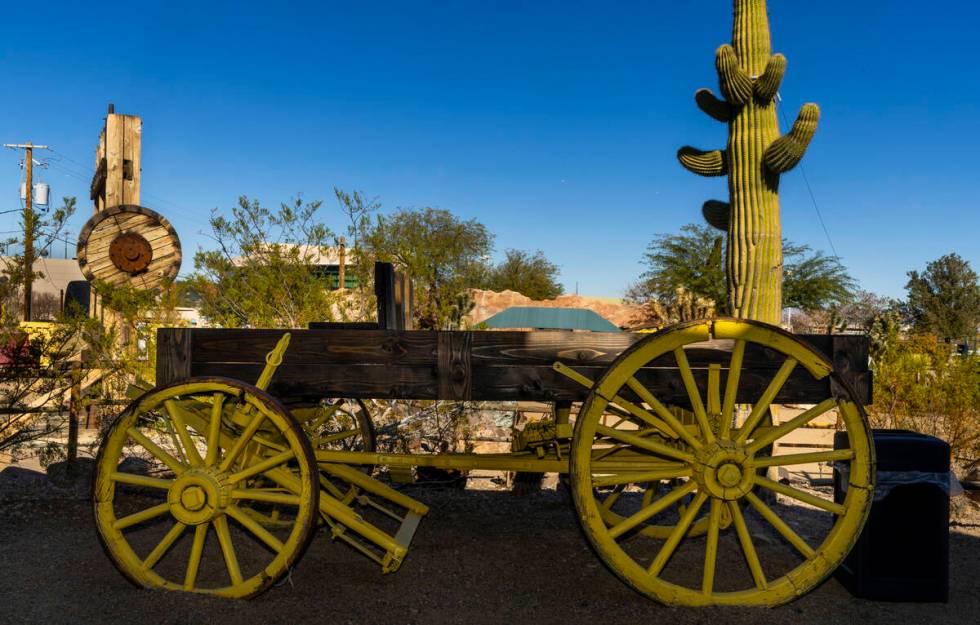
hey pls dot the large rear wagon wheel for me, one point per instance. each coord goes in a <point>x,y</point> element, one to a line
<point>180,476</point>
<point>772,552</point>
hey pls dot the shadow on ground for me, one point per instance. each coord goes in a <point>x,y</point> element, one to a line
<point>480,557</point>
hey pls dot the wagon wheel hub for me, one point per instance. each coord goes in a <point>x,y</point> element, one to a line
<point>199,495</point>
<point>723,470</point>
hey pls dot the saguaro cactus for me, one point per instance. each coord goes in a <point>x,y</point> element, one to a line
<point>749,77</point>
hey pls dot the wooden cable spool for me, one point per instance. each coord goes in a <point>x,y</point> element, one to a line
<point>129,244</point>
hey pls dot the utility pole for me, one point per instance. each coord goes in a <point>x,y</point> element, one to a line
<point>341,269</point>
<point>28,221</point>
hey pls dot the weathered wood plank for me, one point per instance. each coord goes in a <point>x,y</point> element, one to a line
<point>455,371</point>
<point>470,365</point>
<point>173,354</point>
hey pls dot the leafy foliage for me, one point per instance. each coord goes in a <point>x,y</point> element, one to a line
<point>814,281</point>
<point>693,261</point>
<point>442,253</point>
<point>920,385</point>
<point>945,299</point>
<point>529,273</point>
<point>265,271</point>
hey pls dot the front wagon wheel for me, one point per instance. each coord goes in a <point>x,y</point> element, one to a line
<point>773,551</point>
<point>180,477</point>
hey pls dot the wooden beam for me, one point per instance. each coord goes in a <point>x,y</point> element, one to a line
<point>468,365</point>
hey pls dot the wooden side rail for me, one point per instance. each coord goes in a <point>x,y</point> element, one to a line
<point>390,364</point>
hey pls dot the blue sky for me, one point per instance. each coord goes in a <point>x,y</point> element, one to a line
<point>554,123</point>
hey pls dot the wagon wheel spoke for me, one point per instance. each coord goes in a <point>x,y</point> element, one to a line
<point>677,535</point>
<point>134,479</point>
<point>793,424</point>
<point>164,545</point>
<point>253,526</point>
<point>761,407</point>
<point>610,499</point>
<point>799,495</point>
<point>661,504</point>
<point>675,425</point>
<point>694,394</point>
<point>669,471</point>
<point>339,436</point>
<point>731,388</point>
<point>156,451</point>
<point>748,549</point>
<point>214,429</point>
<point>139,517</point>
<point>243,439</point>
<point>644,443</point>
<point>711,547</point>
<point>191,452</point>
<point>785,530</point>
<point>816,456</point>
<point>194,559</point>
<point>227,549</point>
<point>263,466</point>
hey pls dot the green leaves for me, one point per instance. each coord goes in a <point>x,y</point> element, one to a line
<point>812,280</point>
<point>442,253</point>
<point>530,274</point>
<point>945,299</point>
<point>693,260</point>
<point>266,270</point>
<point>690,261</point>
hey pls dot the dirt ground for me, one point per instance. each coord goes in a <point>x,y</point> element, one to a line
<point>479,557</point>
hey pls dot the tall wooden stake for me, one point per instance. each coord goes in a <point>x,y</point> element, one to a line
<point>28,222</point>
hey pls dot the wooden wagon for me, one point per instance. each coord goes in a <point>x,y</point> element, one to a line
<point>216,480</point>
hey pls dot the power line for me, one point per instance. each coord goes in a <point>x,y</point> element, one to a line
<point>187,212</point>
<point>813,198</point>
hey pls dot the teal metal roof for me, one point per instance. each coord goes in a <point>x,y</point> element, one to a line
<point>551,319</point>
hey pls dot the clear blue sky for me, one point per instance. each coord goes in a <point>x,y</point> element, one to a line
<point>554,123</point>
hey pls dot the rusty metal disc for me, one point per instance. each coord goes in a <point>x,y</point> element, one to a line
<point>129,244</point>
<point>131,253</point>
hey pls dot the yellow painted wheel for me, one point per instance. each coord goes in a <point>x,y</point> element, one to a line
<point>182,474</point>
<point>339,425</point>
<point>772,552</point>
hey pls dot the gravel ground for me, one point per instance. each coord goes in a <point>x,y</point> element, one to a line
<point>479,557</point>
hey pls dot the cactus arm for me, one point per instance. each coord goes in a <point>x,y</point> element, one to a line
<point>717,214</point>
<point>785,152</point>
<point>735,83</point>
<point>713,163</point>
<point>768,83</point>
<point>713,106</point>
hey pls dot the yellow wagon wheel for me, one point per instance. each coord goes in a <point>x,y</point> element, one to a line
<point>774,552</point>
<point>177,477</point>
<point>339,424</point>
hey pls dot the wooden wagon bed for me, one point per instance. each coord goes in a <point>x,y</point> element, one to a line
<point>480,365</point>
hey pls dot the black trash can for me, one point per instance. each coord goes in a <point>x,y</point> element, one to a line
<point>903,551</point>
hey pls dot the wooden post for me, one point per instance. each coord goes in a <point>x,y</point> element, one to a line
<point>29,232</point>
<point>341,270</point>
<point>74,404</point>
<point>117,162</point>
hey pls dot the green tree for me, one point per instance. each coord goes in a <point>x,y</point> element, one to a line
<point>442,253</point>
<point>945,299</point>
<point>692,262</point>
<point>266,269</point>
<point>528,273</point>
<point>813,281</point>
